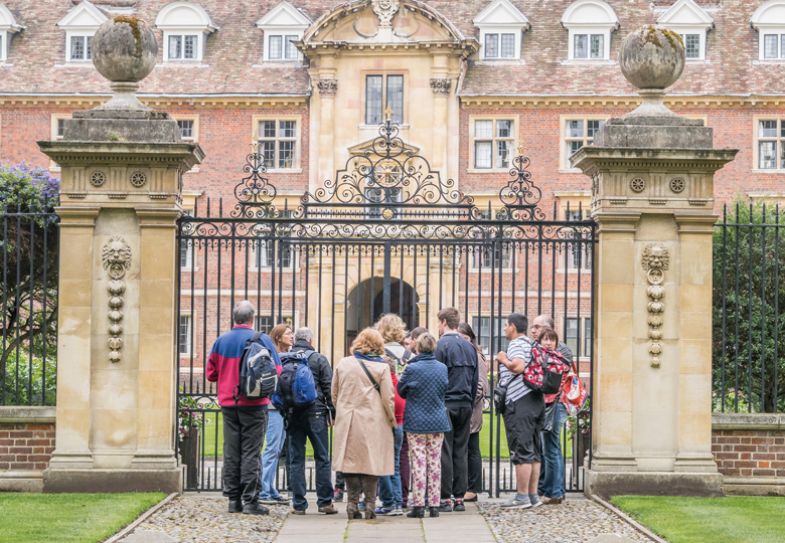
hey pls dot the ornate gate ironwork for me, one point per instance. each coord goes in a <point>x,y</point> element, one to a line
<point>387,235</point>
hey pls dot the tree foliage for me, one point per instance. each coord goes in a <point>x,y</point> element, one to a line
<point>749,309</point>
<point>28,283</point>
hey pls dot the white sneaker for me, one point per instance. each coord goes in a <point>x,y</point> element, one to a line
<point>396,512</point>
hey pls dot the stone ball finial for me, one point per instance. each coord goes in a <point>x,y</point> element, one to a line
<point>652,59</point>
<point>124,52</point>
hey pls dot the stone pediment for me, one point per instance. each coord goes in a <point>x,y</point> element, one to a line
<point>366,148</point>
<point>382,22</point>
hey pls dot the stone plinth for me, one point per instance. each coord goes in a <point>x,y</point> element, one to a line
<point>652,197</point>
<point>116,383</point>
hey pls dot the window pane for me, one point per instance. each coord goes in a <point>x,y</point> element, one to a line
<point>189,49</point>
<point>767,158</point>
<point>89,42</point>
<point>77,48</point>
<point>186,254</point>
<point>482,154</point>
<point>184,335</point>
<point>276,48</point>
<point>782,156</point>
<point>591,128</point>
<point>291,50</point>
<point>60,128</point>
<point>287,129</point>
<point>692,45</point>
<point>581,46</point>
<point>572,146</point>
<point>286,154</point>
<point>575,129</point>
<point>597,46</point>
<point>267,129</point>
<point>503,154</point>
<point>491,46</point>
<point>395,97</point>
<point>186,129</point>
<point>504,129</point>
<point>782,45</point>
<point>267,150</point>
<point>508,46</point>
<point>571,334</point>
<point>767,129</point>
<point>483,129</point>
<point>373,99</point>
<point>586,337</point>
<point>770,45</point>
<point>2,56</point>
<point>175,47</point>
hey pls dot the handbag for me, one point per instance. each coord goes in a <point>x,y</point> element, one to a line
<point>550,416</point>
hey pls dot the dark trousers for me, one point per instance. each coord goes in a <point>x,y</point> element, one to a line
<point>475,463</point>
<point>243,437</point>
<point>455,453</point>
<point>311,425</point>
<point>358,484</point>
<point>405,471</point>
<point>340,482</point>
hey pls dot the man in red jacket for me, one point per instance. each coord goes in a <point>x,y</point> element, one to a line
<point>244,420</point>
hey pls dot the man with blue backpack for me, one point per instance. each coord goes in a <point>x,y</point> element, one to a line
<point>242,362</point>
<point>304,398</point>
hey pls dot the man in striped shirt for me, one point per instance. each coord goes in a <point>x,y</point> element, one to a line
<point>523,414</point>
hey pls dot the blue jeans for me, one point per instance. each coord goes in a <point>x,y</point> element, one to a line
<point>390,485</point>
<point>552,479</point>
<point>273,445</point>
<point>311,424</point>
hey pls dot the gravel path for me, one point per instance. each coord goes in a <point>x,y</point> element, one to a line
<point>202,518</point>
<point>577,520</point>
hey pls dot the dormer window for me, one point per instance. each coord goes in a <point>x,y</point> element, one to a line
<point>589,23</point>
<point>769,21</point>
<point>80,25</point>
<point>501,27</point>
<point>283,26</point>
<point>186,27</point>
<point>8,27</point>
<point>691,22</point>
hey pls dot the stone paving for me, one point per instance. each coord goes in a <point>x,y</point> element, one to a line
<point>576,520</point>
<point>202,518</point>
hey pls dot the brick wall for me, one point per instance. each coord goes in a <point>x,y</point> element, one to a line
<point>750,452</point>
<point>27,439</point>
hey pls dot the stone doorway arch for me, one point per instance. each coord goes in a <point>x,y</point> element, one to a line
<point>365,304</point>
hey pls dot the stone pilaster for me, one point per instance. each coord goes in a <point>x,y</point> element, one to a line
<point>653,199</point>
<point>122,168</point>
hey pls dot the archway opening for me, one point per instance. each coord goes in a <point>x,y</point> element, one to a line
<point>365,304</point>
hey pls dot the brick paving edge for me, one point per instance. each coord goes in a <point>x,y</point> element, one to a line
<point>141,518</point>
<point>628,519</point>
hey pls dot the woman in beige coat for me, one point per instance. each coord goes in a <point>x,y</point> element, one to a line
<point>362,437</point>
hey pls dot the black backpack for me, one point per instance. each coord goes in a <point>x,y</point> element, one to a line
<point>258,374</point>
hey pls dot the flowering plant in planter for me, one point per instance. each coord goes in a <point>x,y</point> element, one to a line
<point>186,417</point>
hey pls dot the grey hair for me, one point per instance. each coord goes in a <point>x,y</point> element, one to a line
<point>303,334</point>
<point>243,312</point>
<point>548,320</point>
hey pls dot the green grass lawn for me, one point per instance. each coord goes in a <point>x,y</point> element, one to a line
<point>66,518</point>
<point>213,437</point>
<point>732,519</point>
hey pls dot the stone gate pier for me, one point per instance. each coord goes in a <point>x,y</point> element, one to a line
<point>652,196</point>
<point>122,167</point>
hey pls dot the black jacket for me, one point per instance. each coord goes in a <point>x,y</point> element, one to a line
<point>460,357</point>
<point>322,375</point>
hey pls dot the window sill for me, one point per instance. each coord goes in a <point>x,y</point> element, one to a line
<point>768,61</point>
<point>375,127</point>
<point>267,63</point>
<point>76,64</point>
<point>570,170</point>
<point>771,171</point>
<point>488,269</point>
<point>501,61</point>
<point>574,271</point>
<point>284,170</point>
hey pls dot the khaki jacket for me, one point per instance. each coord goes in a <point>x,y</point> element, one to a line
<point>364,418</point>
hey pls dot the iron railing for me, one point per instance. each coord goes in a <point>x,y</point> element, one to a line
<point>749,309</point>
<point>28,306</point>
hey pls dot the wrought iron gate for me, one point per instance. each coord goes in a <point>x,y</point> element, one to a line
<point>387,235</point>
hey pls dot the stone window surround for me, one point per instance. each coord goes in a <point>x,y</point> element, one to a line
<point>499,31</point>
<point>3,46</point>
<point>384,74</point>
<point>282,33</point>
<point>8,27</point>
<point>577,199</point>
<point>778,149</point>
<point>483,338</point>
<point>297,166</point>
<point>687,17</point>
<point>564,166</point>
<point>515,118</point>
<point>514,22</point>
<point>266,265</point>
<point>54,122</point>
<point>282,20</point>
<point>200,41</point>
<point>182,18</point>
<point>190,337</point>
<point>195,132</point>
<point>584,324</point>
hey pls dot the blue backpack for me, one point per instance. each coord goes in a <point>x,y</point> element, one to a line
<point>258,374</point>
<point>296,385</point>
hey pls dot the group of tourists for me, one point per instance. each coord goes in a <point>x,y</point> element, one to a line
<point>406,411</point>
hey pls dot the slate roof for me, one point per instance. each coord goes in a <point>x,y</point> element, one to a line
<point>233,59</point>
